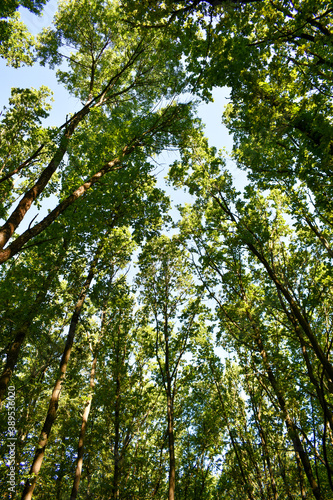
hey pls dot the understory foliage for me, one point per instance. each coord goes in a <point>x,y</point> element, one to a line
<point>148,358</point>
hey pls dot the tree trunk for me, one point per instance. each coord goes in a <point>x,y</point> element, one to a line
<point>16,217</point>
<point>266,454</point>
<point>328,367</point>
<point>248,487</point>
<point>53,405</point>
<point>85,416</point>
<point>172,460</point>
<point>169,391</point>
<point>290,424</point>
<point>14,350</point>
<point>116,473</point>
<point>12,357</point>
<point>117,412</point>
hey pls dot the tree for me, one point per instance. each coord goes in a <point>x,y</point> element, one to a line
<point>108,67</point>
<point>16,43</point>
<point>168,297</point>
<point>246,246</point>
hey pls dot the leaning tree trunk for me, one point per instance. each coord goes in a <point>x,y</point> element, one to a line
<point>22,330</point>
<point>85,416</point>
<point>53,405</point>
<point>16,217</point>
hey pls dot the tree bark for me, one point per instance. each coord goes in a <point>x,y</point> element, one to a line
<point>85,416</point>
<point>53,405</point>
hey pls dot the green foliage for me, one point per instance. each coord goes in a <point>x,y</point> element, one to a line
<point>22,137</point>
<point>210,356</point>
<point>16,42</point>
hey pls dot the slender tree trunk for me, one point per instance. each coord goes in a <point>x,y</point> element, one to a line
<point>266,455</point>
<point>257,416</point>
<point>300,475</point>
<point>248,487</point>
<point>53,405</point>
<point>116,473</point>
<point>85,416</point>
<point>290,424</point>
<point>16,217</point>
<point>169,390</point>
<point>21,332</point>
<point>172,459</point>
<point>282,465</point>
<point>118,455</point>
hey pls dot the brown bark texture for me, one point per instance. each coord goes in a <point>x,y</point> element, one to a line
<point>54,401</point>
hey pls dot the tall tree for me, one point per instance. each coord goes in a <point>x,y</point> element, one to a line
<point>256,257</point>
<point>259,426</point>
<point>109,66</point>
<point>168,297</point>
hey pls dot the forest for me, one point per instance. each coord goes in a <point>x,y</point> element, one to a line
<point>149,355</point>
